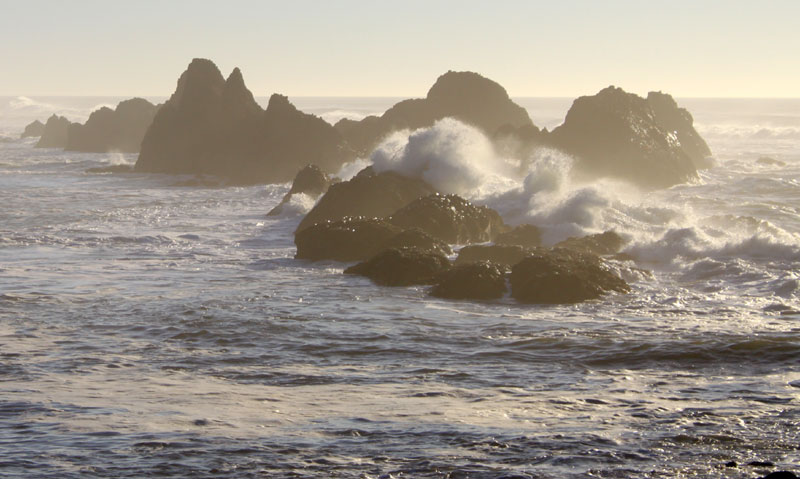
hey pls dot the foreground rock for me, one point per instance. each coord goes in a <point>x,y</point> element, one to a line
<point>527,236</point>
<point>505,255</point>
<point>402,267</point>
<point>367,194</point>
<point>451,219</point>
<point>35,128</point>
<point>600,244</point>
<point>621,135</point>
<point>418,239</point>
<point>310,181</point>
<point>465,96</point>
<point>212,125</point>
<point>561,276</point>
<point>121,129</point>
<point>483,280</point>
<point>349,239</point>
<point>55,134</point>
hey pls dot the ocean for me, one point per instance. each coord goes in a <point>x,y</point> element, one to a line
<point>149,329</point>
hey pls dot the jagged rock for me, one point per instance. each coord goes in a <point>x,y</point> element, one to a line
<point>212,125</point>
<point>111,169</point>
<point>418,239</point>
<point>506,255</point>
<point>523,235</point>
<point>310,181</point>
<point>121,129</point>
<point>482,280</point>
<point>367,194</point>
<point>402,267</point>
<point>35,128</point>
<point>599,244</point>
<point>679,121</point>
<point>465,96</point>
<point>55,134</point>
<point>617,134</point>
<point>451,219</point>
<point>349,239</point>
<point>562,276</point>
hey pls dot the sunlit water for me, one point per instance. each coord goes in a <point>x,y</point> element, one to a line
<point>148,329</point>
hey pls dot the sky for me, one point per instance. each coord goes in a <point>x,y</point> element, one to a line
<point>562,48</point>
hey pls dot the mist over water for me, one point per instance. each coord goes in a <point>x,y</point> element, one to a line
<point>152,329</point>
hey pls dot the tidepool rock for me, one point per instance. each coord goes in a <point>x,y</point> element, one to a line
<point>35,128</point>
<point>349,239</point>
<point>600,244</point>
<point>402,267</point>
<point>310,181</point>
<point>481,280</point>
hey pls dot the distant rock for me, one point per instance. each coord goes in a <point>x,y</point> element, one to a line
<point>600,244</point>
<point>212,125</point>
<point>620,135</point>
<point>561,276</point>
<point>402,267</point>
<point>111,169</point>
<point>451,219</point>
<point>769,161</point>
<point>522,235</point>
<point>506,255</point>
<point>679,121</point>
<point>55,134</point>
<point>36,128</point>
<point>465,96</point>
<point>349,239</point>
<point>367,194</point>
<point>310,181</point>
<point>482,280</point>
<point>121,129</point>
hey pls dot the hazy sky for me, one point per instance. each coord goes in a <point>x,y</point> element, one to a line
<point>397,48</point>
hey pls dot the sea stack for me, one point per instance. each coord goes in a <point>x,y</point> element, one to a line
<point>35,128</point>
<point>56,133</point>
<point>121,129</point>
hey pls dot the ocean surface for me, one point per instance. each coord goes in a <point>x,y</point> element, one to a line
<point>149,329</point>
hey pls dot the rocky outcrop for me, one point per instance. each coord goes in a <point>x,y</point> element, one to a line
<point>679,121</point>
<point>309,181</point>
<point>35,128</point>
<point>212,125</point>
<point>121,129</point>
<point>465,96</point>
<point>402,267</point>
<point>349,239</point>
<point>560,276</point>
<point>483,280</point>
<point>600,244</point>
<point>418,239</point>
<point>618,134</point>
<point>525,235</point>
<point>55,134</point>
<point>504,255</point>
<point>451,219</point>
<point>367,194</point>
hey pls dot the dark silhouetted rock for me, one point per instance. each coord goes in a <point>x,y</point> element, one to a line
<point>55,134</point>
<point>310,181</point>
<point>367,194</point>
<point>768,161</point>
<point>560,276</point>
<point>349,239</point>
<point>617,134</point>
<point>522,235</point>
<point>599,244</point>
<point>418,239</point>
<point>36,128</point>
<point>121,129</point>
<point>483,280</point>
<point>465,96</point>
<point>506,255</point>
<point>402,267</point>
<point>214,126</point>
<point>451,219</point>
<point>111,169</point>
<point>780,475</point>
<point>679,121</point>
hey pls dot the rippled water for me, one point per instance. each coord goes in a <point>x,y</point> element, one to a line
<point>148,329</point>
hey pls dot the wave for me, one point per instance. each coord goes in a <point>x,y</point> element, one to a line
<point>755,132</point>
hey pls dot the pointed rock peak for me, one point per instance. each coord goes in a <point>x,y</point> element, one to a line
<point>202,66</point>
<point>278,103</point>
<point>201,79</point>
<point>457,84</point>
<point>235,78</point>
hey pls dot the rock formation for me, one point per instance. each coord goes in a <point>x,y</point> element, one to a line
<point>212,125</point>
<point>679,121</point>
<point>55,134</point>
<point>309,181</point>
<point>465,96</point>
<point>523,235</point>
<point>600,244</point>
<point>402,267</point>
<point>349,239</point>
<point>482,280</point>
<point>121,129</point>
<point>35,128</point>
<point>504,255</point>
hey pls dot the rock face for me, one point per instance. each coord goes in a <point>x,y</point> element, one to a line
<point>527,236</point>
<point>310,181</point>
<point>402,267</point>
<point>418,239</point>
<point>35,128</point>
<point>504,255</point>
<point>451,219</point>
<point>618,134</point>
<point>599,244</point>
<point>562,276</point>
<point>680,122</point>
<point>55,134</point>
<point>465,96</point>
<point>212,125</point>
<point>483,280</point>
<point>349,239</point>
<point>121,129</point>
<point>367,194</point>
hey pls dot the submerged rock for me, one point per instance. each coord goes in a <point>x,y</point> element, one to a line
<point>121,129</point>
<point>349,239</point>
<point>55,134</point>
<point>35,128</point>
<point>560,276</point>
<point>506,255</point>
<point>402,267</point>
<point>310,181</point>
<point>600,244</point>
<point>523,235</point>
<point>482,280</point>
<point>367,194</point>
<point>451,219</point>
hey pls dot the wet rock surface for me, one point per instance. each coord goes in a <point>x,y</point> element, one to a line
<point>349,239</point>
<point>600,244</point>
<point>310,181</point>
<point>481,280</point>
<point>402,267</point>
<point>505,255</point>
<point>523,235</point>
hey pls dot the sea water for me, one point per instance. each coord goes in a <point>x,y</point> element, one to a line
<point>151,329</point>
